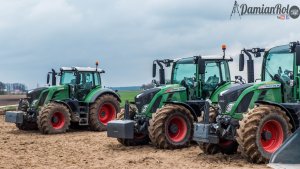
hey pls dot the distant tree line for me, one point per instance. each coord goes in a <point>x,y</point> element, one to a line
<point>12,88</point>
<point>147,86</point>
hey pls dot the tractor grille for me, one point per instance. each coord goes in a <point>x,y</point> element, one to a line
<point>145,98</point>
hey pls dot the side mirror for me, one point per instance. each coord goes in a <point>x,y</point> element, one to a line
<point>201,66</point>
<point>154,70</point>
<point>297,50</point>
<point>241,62</point>
<point>48,78</point>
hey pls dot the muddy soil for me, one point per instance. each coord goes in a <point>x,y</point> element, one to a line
<point>86,149</point>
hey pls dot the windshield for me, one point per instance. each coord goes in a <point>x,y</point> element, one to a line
<point>87,79</point>
<point>184,69</point>
<point>279,62</point>
<point>67,78</point>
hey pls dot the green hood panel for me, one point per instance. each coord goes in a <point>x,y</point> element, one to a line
<point>215,95</point>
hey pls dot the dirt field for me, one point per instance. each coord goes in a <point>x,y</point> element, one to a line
<point>85,149</point>
<point>10,99</point>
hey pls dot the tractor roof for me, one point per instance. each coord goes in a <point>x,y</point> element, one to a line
<point>81,69</point>
<point>207,57</point>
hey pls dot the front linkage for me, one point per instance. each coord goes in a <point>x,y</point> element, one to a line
<point>216,135</point>
<point>130,128</point>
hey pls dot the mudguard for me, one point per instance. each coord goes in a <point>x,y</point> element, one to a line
<point>105,91</point>
<point>192,109</point>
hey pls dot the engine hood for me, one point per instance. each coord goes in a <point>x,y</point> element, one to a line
<point>231,95</point>
<point>145,97</point>
<point>35,93</point>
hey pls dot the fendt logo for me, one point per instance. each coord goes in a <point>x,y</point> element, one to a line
<point>282,12</point>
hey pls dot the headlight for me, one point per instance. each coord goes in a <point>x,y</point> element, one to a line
<point>144,108</point>
<point>229,107</point>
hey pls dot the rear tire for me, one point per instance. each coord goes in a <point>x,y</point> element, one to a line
<point>54,118</point>
<point>171,127</point>
<point>102,111</point>
<point>26,125</point>
<point>139,139</point>
<point>262,131</point>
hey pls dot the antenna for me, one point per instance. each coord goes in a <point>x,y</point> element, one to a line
<point>235,9</point>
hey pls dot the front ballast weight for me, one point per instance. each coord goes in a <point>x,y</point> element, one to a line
<point>130,128</point>
<point>122,128</point>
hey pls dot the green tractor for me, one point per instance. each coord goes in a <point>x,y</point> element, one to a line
<point>255,118</point>
<point>79,100</point>
<point>143,121</point>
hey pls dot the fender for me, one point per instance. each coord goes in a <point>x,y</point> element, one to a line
<point>64,103</point>
<point>289,108</point>
<point>105,91</point>
<point>194,114</point>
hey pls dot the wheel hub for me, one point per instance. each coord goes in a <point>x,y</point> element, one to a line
<point>266,135</point>
<point>173,128</point>
<point>54,119</point>
<point>102,114</point>
<point>272,136</point>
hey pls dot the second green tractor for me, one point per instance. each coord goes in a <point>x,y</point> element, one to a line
<point>193,78</point>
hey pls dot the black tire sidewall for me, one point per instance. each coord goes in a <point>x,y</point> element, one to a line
<point>285,128</point>
<point>185,117</point>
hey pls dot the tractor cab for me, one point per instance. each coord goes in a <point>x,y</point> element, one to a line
<point>201,85</point>
<point>81,80</point>
<point>283,72</point>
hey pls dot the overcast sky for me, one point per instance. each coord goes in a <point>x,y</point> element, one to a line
<point>127,35</point>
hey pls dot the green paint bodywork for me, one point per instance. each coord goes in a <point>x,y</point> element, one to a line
<point>273,88</point>
<point>61,93</point>
<point>215,95</point>
<point>273,93</point>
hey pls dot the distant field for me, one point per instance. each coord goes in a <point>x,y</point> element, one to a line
<point>13,99</point>
<point>127,95</point>
<point>10,99</point>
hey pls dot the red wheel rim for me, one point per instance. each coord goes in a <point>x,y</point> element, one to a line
<point>58,120</point>
<point>276,138</point>
<point>106,113</point>
<point>177,129</point>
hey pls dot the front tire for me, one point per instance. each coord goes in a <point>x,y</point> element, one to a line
<point>171,127</point>
<point>102,111</point>
<point>262,131</point>
<point>54,118</point>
